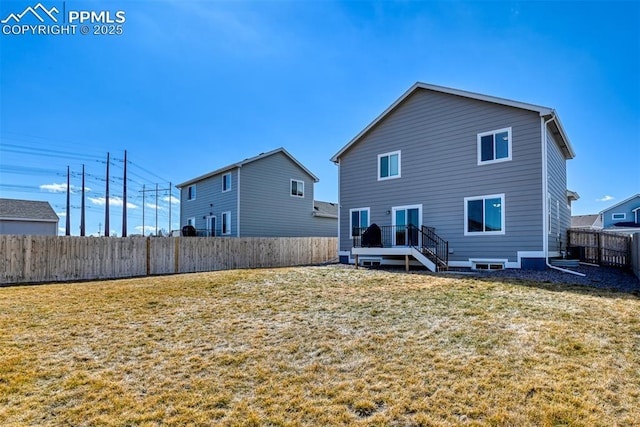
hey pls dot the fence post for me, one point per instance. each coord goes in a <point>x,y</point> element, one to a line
<point>599,243</point>
<point>176,255</point>
<point>148,256</point>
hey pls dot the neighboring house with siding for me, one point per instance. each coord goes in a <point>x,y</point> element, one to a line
<point>623,216</point>
<point>269,195</point>
<point>458,179</point>
<point>27,217</point>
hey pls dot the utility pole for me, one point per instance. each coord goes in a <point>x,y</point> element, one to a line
<point>143,193</point>
<point>68,222</point>
<point>156,209</point>
<point>82,224</point>
<point>156,190</point>
<point>106,211</point>
<point>170,203</point>
<point>124,197</point>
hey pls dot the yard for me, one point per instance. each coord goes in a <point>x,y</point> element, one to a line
<point>318,346</point>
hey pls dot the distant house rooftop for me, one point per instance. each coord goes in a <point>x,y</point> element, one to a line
<point>325,209</point>
<point>27,210</point>
<point>247,161</point>
<point>593,221</point>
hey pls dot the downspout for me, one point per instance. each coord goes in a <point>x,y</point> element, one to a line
<point>545,199</point>
<point>238,208</point>
<point>339,209</point>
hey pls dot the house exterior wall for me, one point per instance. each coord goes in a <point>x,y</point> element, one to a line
<point>210,199</point>
<point>626,208</point>
<point>559,210</point>
<point>267,208</point>
<point>30,228</point>
<point>437,136</point>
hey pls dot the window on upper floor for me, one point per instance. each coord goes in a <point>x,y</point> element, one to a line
<point>494,146</point>
<point>191,192</point>
<point>484,215</point>
<point>226,182</point>
<point>618,216</point>
<point>389,165</point>
<point>358,220</point>
<point>297,188</point>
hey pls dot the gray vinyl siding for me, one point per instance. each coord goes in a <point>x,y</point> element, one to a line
<point>560,214</point>
<point>29,228</point>
<point>211,200</point>
<point>267,208</point>
<point>437,136</point>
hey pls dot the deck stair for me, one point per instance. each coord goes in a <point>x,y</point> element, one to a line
<point>564,263</point>
<point>434,248</point>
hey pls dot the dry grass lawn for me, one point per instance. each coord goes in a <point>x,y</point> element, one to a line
<point>318,346</point>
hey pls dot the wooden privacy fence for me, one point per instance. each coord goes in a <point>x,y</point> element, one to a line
<point>599,247</point>
<point>39,259</point>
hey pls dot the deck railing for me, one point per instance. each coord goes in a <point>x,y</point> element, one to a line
<point>423,239</point>
<point>391,235</point>
<point>435,245</point>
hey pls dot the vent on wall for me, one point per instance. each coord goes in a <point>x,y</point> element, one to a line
<point>488,266</point>
<point>370,262</point>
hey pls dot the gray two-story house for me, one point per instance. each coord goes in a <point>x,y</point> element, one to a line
<point>453,178</point>
<point>269,195</point>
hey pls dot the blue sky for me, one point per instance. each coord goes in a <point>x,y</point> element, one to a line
<point>191,86</point>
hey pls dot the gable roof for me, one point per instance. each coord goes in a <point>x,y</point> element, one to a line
<point>621,203</point>
<point>27,210</point>
<point>546,112</point>
<point>325,209</point>
<point>246,161</point>
<point>586,221</point>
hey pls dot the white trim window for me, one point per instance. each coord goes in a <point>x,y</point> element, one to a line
<point>484,215</point>
<point>226,182</point>
<point>297,188</point>
<point>191,192</point>
<point>191,221</point>
<point>494,146</point>
<point>358,219</point>
<point>225,227</point>
<point>389,165</point>
<point>402,218</point>
<point>618,216</point>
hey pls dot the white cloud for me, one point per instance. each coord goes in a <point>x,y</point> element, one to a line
<point>54,188</point>
<point>174,200</point>
<point>62,188</point>
<point>113,201</point>
<point>606,198</point>
<point>153,206</point>
<point>61,213</point>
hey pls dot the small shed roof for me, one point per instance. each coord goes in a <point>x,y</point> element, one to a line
<point>27,210</point>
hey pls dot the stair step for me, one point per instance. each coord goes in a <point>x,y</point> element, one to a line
<point>565,262</point>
